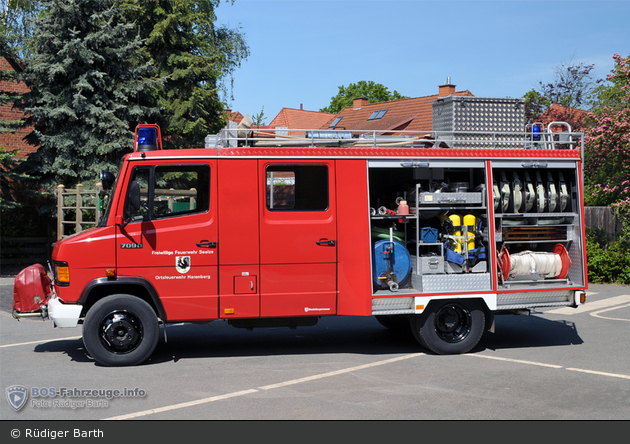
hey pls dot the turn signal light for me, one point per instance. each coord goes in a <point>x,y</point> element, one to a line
<point>110,273</point>
<point>63,274</point>
<point>229,311</point>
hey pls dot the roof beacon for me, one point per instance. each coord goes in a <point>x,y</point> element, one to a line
<point>148,138</point>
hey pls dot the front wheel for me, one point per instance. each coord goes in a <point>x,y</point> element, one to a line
<point>452,327</point>
<point>120,330</point>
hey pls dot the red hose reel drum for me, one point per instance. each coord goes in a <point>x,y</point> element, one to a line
<point>560,250</point>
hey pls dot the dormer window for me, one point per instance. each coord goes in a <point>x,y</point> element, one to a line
<point>378,114</point>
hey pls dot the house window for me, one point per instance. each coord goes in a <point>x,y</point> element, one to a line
<point>378,114</point>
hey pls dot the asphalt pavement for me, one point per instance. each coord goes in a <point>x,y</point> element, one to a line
<point>560,363</point>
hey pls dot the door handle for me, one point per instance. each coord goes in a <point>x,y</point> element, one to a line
<point>326,242</point>
<point>206,244</point>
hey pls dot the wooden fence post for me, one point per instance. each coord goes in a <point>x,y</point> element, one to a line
<point>60,191</point>
<point>97,201</point>
<point>79,210</point>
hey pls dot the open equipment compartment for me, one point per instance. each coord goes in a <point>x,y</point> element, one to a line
<point>538,226</point>
<point>444,237</point>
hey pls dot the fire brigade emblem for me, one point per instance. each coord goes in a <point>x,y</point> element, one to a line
<point>182,263</point>
<point>17,396</point>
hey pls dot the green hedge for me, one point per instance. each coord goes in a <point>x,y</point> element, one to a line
<point>608,260</point>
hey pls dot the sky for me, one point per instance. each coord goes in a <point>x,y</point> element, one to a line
<point>301,51</point>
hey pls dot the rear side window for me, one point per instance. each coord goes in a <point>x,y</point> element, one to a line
<point>169,191</point>
<point>297,187</point>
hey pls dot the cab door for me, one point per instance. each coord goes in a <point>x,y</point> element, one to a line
<point>298,238</point>
<point>169,240</point>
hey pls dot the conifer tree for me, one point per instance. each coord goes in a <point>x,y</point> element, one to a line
<point>88,86</point>
<point>196,57</point>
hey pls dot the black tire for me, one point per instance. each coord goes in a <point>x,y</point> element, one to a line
<point>120,330</point>
<point>449,328</point>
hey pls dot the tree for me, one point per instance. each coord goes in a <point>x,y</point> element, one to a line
<point>14,186</point>
<point>572,85</point>
<point>14,31</point>
<point>14,25</point>
<point>259,119</point>
<point>611,95</point>
<point>375,92</point>
<point>535,105</point>
<point>87,80</point>
<point>7,96</point>
<point>196,57</point>
<point>572,88</point>
<point>607,145</point>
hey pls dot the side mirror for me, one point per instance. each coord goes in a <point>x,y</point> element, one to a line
<point>107,179</point>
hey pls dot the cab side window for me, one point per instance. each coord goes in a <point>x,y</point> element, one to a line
<point>168,191</point>
<point>140,178</point>
<point>181,190</point>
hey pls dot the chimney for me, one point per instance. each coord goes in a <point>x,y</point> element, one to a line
<point>359,102</point>
<point>447,89</point>
<point>301,107</point>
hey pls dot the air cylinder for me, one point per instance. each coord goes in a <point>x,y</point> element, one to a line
<point>469,222</point>
<point>456,219</point>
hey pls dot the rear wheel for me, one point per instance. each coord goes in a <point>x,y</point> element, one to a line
<point>452,327</point>
<point>120,330</point>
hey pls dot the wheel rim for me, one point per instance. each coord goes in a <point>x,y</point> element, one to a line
<point>121,332</point>
<point>453,323</point>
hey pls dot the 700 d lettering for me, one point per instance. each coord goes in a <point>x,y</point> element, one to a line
<point>130,246</point>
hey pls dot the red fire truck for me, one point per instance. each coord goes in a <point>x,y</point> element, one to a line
<point>435,231</point>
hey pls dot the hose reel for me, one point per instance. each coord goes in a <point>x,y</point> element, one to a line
<point>529,263</point>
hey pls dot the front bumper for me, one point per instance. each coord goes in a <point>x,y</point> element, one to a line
<point>63,315</point>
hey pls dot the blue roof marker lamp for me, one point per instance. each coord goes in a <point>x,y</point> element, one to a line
<point>148,138</point>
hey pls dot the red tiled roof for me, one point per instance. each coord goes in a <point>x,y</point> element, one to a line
<point>301,119</point>
<point>558,113</point>
<point>235,117</point>
<point>415,114</point>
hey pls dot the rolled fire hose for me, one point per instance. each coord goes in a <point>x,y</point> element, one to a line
<point>530,263</point>
<point>496,194</point>
<point>552,193</point>
<point>527,263</point>
<point>505,192</point>
<point>564,194</point>
<point>540,193</point>
<point>530,195</point>
<point>517,190</point>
